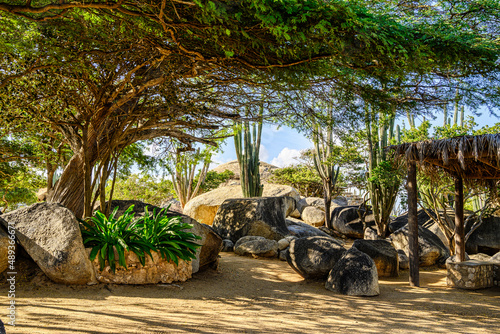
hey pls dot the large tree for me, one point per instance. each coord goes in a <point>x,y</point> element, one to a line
<point>105,74</point>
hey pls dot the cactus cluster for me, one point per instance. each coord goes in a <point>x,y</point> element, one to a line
<point>458,110</point>
<point>383,179</point>
<point>247,145</point>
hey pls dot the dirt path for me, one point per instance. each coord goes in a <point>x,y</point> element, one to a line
<point>253,296</point>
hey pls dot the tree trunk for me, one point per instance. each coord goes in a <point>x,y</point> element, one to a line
<point>411,187</point>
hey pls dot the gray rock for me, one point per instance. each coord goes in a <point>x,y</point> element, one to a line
<point>404,261</point>
<point>283,253</point>
<point>486,238</point>
<point>355,274</point>
<point>263,216</point>
<point>295,214</point>
<point>256,246</point>
<point>300,229</point>
<point>314,257</point>
<point>4,246</point>
<point>382,253</point>
<point>346,221</point>
<point>454,259</point>
<point>495,258</point>
<point>227,245</point>
<point>480,257</point>
<point>283,243</point>
<point>313,216</point>
<point>50,234</point>
<point>431,249</point>
<point>423,220</point>
<point>371,234</point>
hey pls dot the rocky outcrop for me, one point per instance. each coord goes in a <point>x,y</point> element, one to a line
<point>4,247</point>
<point>256,247</point>
<point>383,254</point>
<point>486,238</point>
<point>211,242</point>
<point>51,235</point>
<point>346,221</point>
<point>423,220</point>
<point>313,216</point>
<point>431,248</point>
<point>314,257</point>
<point>355,274</point>
<point>156,270</point>
<point>203,208</point>
<point>258,216</point>
<point>300,229</point>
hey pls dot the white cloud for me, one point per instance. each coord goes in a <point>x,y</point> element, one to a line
<point>263,153</point>
<point>286,157</point>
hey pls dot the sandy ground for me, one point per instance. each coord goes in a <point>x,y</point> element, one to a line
<point>253,296</point>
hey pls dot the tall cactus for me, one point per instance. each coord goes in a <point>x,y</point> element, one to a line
<point>383,179</point>
<point>247,150</point>
<point>328,172</point>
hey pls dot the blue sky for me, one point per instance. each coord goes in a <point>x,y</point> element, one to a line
<point>280,145</point>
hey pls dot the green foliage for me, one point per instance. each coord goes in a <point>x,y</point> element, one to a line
<point>416,133</point>
<point>144,188</point>
<point>301,177</point>
<point>154,232</point>
<point>168,235</point>
<point>385,175</point>
<point>455,130</point>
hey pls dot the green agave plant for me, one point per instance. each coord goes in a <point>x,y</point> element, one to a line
<point>168,235</point>
<point>112,233</point>
<point>156,232</point>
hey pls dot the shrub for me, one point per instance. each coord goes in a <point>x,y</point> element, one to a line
<point>149,233</point>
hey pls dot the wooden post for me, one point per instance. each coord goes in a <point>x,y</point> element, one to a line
<point>411,187</point>
<point>459,219</point>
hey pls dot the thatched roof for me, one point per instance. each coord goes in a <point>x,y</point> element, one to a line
<point>471,157</point>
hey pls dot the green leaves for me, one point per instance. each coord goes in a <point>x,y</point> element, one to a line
<point>155,232</point>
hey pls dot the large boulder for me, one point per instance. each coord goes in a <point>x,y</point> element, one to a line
<point>431,248</point>
<point>355,274</point>
<point>260,216</point>
<point>319,203</point>
<point>211,242</point>
<point>4,247</point>
<point>486,238</point>
<point>256,246</point>
<point>50,234</point>
<point>425,220</point>
<point>314,257</point>
<point>313,216</point>
<point>345,219</point>
<point>383,254</point>
<point>300,229</point>
<point>203,208</point>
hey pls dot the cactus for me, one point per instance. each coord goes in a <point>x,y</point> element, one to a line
<point>247,151</point>
<point>383,179</point>
<point>445,111</point>
<point>328,172</point>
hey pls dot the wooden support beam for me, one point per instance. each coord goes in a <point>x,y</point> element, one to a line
<point>411,187</point>
<point>459,219</point>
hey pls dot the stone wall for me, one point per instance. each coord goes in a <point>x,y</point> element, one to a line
<point>472,274</point>
<point>156,270</point>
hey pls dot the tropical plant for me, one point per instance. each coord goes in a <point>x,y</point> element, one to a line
<point>156,232</point>
<point>301,177</point>
<point>110,233</point>
<point>168,235</point>
<point>214,179</point>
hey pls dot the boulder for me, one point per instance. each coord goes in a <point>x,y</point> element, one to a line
<point>371,234</point>
<point>404,261</point>
<point>283,244</point>
<point>300,229</point>
<point>203,208</point>
<point>259,216</point>
<point>355,274</point>
<point>227,245</point>
<point>345,219</point>
<point>314,257</point>
<point>486,238</point>
<point>319,203</point>
<point>4,247</point>
<point>454,259</point>
<point>313,216</point>
<point>172,205</point>
<point>256,246</point>
<point>480,257</point>
<point>423,220</point>
<point>295,213</point>
<point>431,248</point>
<point>495,258</point>
<point>50,234</point>
<point>283,253</point>
<point>382,253</point>
<point>211,242</point>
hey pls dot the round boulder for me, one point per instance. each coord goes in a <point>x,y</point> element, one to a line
<point>256,246</point>
<point>313,216</point>
<point>314,257</point>
<point>382,253</point>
